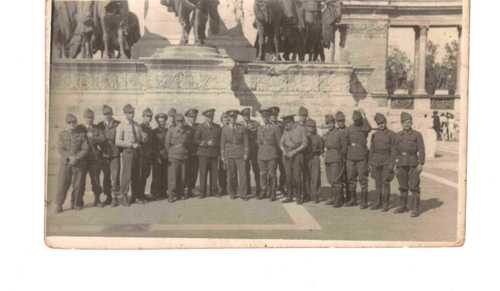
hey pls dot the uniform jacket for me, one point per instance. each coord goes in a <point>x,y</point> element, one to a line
<point>72,143</point>
<point>159,135</point>
<point>125,134</point>
<point>177,142</point>
<point>234,141</point>
<point>294,138</point>
<point>252,127</point>
<point>108,147</point>
<point>147,143</point>
<point>95,142</point>
<point>382,147</point>
<point>268,140</point>
<point>208,134</point>
<point>315,146</point>
<point>357,136</point>
<point>410,148</point>
<point>193,147</point>
<point>336,145</point>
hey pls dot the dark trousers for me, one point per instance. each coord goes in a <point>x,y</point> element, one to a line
<point>254,164</point>
<point>268,177</point>
<point>191,172</point>
<point>111,176</point>
<point>159,184</point>
<point>130,176</point>
<point>357,171</point>
<point>409,179</point>
<point>145,163</point>
<point>176,177</point>
<point>282,176</point>
<point>69,176</point>
<point>236,177</point>
<point>222,178</point>
<point>294,175</point>
<point>383,175</point>
<point>92,168</point>
<point>208,165</point>
<point>335,173</point>
<point>312,176</point>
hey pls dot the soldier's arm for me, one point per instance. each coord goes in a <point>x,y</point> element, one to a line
<point>393,148</point>
<point>303,143</point>
<point>61,146</point>
<point>420,149</point>
<point>282,143</point>
<point>168,138</point>
<point>222,143</point>
<point>83,150</point>
<point>120,137</point>
<point>344,142</point>
<point>198,135</point>
<point>245,143</point>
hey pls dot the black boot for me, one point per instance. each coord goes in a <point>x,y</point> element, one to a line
<point>354,199</point>
<point>364,199</point>
<point>331,201</point>
<point>115,202</point>
<point>97,201</point>
<point>403,200</point>
<point>108,200</point>
<point>415,212</point>
<point>386,197</point>
<point>378,204</point>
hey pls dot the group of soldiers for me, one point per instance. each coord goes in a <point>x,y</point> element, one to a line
<point>179,152</point>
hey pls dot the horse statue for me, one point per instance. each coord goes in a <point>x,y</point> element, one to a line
<point>313,30</point>
<point>330,18</point>
<point>195,14</point>
<point>268,18</point>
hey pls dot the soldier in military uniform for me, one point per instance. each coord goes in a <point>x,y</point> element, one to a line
<point>336,149</point>
<point>110,157</point>
<point>207,138</point>
<point>252,126</point>
<point>72,147</point>
<point>357,158</point>
<point>410,158</point>
<point>147,154</point>
<point>312,155</point>
<point>192,162</point>
<point>382,150</point>
<point>234,153</point>
<point>95,139</point>
<point>159,182</point>
<point>177,143</point>
<point>274,113</point>
<point>224,119</point>
<point>340,125</point>
<point>268,140</point>
<point>172,112</point>
<point>292,143</point>
<point>129,137</point>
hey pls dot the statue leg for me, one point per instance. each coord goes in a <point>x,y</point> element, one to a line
<point>276,35</point>
<point>261,38</point>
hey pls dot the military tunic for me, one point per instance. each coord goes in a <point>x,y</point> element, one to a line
<point>177,145</point>
<point>72,147</point>
<point>234,150</point>
<point>294,139</point>
<point>336,149</point>
<point>268,139</point>
<point>159,183</point>
<point>409,152</point>
<point>207,138</point>
<point>110,159</point>
<point>252,162</point>
<point>357,159</point>
<point>382,153</point>
<point>95,139</point>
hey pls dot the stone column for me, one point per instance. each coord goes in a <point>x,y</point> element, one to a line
<point>459,63</point>
<point>420,52</point>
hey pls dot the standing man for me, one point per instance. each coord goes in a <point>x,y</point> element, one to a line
<point>159,182</point>
<point>207,138</point>
<point>222,165</point>
<point>268,140</point>
<point>177,143</point>
<point>312,161</point>
<point>110,157</point>
<point>146,151</point>
<point>436,124</point>
<point>292,143</point>
<point>336,150</point>
<point>192,162</point>
<point>95,139</point>
<point>172,113</point>
<point>382,154</point>
<point>129,137</point>
<point>357,158</point>
<point>252,126</point>
<point>72,147</point>
<point>274,113</point>
<point>410,159</point>
<point>234,152</point>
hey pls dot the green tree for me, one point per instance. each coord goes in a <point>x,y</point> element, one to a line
<point>450,63</point>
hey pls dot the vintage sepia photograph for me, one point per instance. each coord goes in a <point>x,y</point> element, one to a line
<point>256,123</point>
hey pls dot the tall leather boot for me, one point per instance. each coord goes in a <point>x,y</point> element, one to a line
<point>415,211</point>
<point>403,200</point>
<point>386,197</point>
<point>352,194</point>
<point>331,201</point>
<point>339,198</point>
<point>378,203</point>
<point>364,199</point>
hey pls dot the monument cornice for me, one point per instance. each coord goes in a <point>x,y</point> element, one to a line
<point>388,7</point>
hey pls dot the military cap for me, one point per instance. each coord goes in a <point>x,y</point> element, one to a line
<point>70,117</point>
<point>209,113</point>
<point>128,108</point>
<point>107,110</point>
<point>232,113</point>
<point>380,118</point>
<point>172,112</point>
<point>310,123</point>
<point>179,117</point>
<point>329,118</point>
<point>274,110</point>
<point>288,118</point>
<point>356,115</point>
<point>161,115</point>
<point>88,113</point>
<point>147,112</point>
<point>434,113</point>
<point>303,111</point>
<point>265,112</point>
<point>405,116</point>
<point>339,116</point>
<point>246,111</point>
<point>191,112</point>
